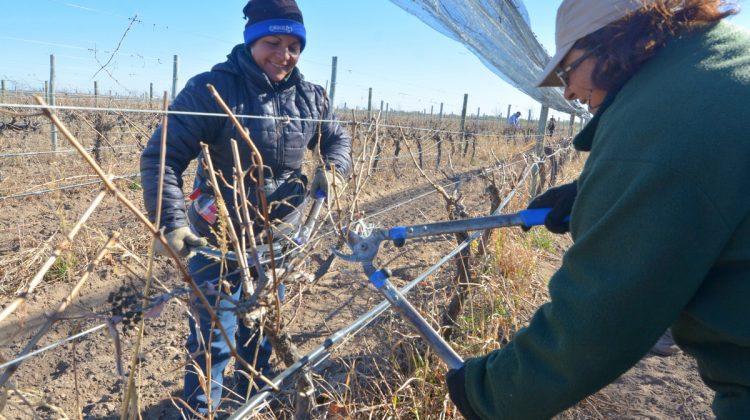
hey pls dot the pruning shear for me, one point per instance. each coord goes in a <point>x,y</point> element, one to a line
<point>365,249</point>
<point>302,237</point>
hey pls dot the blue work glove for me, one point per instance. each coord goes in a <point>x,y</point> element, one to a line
<point>560,199</point>
<point>455,379</point>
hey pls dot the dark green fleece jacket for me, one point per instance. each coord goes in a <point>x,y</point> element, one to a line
<point>661,230</point>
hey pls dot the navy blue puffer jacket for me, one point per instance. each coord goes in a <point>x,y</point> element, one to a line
<point>282,142</point>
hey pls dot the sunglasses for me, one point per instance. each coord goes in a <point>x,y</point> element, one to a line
<point>564,73</point>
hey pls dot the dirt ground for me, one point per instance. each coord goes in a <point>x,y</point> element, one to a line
<point>655,388</point>
<point>81,376</point>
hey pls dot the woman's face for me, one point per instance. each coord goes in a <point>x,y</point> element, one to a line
<point>276,55</point>
<point>579,84</point>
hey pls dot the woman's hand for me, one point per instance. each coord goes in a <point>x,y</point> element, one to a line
<point>560,199</point>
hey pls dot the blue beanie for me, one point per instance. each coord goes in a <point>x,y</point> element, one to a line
<point>273,17</point>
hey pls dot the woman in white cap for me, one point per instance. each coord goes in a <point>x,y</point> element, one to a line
<point>259,78</point>
<point>661,219</point>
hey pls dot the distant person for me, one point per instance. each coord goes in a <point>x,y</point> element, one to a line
<point>659,216</point>
<point>259,78</point>
<point>551,127</point>
<point>514,120</point>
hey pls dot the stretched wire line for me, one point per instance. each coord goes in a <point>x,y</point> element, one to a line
<point>431,145</point>
<point>53,152</point>
<point>209,114</point>
<point>433,191</point>
<point>322,351</point>
<point>75,186</point>
<point>393,207</point>
<point>51,346</point>
<point>67,187</point>
<point>70,187</point>
<point>161,112</point>
<point>131,146</point>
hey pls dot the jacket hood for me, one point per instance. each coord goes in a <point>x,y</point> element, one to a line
<point>240,63</point>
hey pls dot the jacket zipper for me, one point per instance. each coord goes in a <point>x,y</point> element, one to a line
<point>279,132</point>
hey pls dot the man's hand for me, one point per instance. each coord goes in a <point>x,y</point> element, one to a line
<point>560,200</point>
<point>324,178</point>
<point>181,240</point>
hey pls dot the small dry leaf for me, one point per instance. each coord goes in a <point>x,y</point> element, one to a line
<point>335,408</point>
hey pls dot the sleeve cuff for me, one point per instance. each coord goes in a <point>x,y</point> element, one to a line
<point>455,378</point>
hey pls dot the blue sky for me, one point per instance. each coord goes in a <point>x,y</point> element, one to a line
<point>378,45</point>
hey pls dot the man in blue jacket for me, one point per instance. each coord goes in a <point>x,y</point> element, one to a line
<point>289,115</point>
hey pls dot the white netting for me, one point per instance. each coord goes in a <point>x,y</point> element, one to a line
<point>499,33</point>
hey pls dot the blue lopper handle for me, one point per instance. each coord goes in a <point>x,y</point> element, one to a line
<point>535,217</point>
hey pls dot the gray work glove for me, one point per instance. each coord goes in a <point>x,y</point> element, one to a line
<point>181,240</point>
<point>323,178</point>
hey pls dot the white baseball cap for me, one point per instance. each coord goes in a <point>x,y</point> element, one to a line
<point>575,20</point>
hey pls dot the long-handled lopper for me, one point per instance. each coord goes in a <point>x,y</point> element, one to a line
<point>365,249</point>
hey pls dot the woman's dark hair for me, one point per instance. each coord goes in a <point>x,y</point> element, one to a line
<point>622,47</point>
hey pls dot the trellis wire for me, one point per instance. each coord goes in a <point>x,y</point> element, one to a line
<point>75,186</point>
<point>375,311</point>
<point>209,114</point>
<point>321,352</point>
<point>51,346</point>
<point>433,191</point>
<point>61,342</point>
<point>67,187</point>
<point>432,145</point>
<point>62,151</point>
<point>354,327</point>
<point>379,156</point>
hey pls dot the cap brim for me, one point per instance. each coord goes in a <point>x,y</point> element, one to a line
<point>548,77</point>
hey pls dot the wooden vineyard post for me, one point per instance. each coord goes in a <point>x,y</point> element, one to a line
<point>53,128</point>
<point>334,68</point>
<point>174,76</point>
<point>369,104</point>
<point>463,119</point>
<point>538,153</point>
<point>570,124</point>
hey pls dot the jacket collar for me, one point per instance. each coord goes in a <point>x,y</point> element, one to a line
<point>585,138</point>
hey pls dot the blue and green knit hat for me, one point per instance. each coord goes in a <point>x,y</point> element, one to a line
<point>273,17</point>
